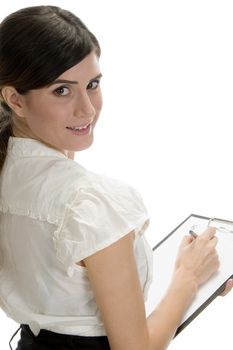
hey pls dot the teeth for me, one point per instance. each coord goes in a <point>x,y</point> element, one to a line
<point>79,128</point>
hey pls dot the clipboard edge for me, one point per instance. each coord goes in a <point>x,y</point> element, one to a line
<point>202,307</point>
<point>212,297</point>
<point>173,231</point>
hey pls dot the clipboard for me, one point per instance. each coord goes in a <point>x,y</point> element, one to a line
<point>164,256</point>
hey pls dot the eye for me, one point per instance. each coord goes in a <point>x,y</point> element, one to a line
<point>93,84</point>
<point>62,91</point>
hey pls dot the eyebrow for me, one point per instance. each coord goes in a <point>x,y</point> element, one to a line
<point>59,81</point>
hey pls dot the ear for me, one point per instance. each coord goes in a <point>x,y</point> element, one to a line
<point>13,99</point>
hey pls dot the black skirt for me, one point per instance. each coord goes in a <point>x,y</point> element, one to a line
<point>47,340</point>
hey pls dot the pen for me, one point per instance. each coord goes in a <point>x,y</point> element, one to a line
<point>193,234</point>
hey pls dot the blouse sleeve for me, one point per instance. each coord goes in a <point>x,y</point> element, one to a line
<point>100,214</point>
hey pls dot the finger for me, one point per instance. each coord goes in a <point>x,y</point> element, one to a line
<point>186,240</point>
<point>228,287</point>
<point>213,242</point>
<point>209,233</point>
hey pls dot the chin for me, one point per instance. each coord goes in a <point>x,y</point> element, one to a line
<point>83,146</point>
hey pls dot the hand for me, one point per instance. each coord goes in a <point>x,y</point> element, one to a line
<point>197,258</point>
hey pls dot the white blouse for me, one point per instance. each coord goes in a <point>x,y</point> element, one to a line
<point>53,214</point>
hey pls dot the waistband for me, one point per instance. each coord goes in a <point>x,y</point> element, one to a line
<point>47,340</point>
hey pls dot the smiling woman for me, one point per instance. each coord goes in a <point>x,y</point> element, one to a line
<point>55,114</point>
<point>31,87</point>
<point>75,264</point>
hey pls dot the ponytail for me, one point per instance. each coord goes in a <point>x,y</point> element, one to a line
<point>5,131</point>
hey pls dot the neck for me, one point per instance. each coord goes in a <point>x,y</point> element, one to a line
<point>20,129</point>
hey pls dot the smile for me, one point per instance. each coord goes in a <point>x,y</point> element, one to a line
<point>80,130</point>
<point>78,127</point>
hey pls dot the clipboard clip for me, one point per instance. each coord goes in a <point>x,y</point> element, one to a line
<point>225,226</point>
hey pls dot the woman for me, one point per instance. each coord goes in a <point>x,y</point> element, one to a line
<point>75,266</point>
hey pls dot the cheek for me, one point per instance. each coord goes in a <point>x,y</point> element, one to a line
<point>32,107</point>
<point>98,102</point>
<point>37,116</point>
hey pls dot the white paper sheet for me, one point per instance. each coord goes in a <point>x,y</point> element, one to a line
<point>164,259</point>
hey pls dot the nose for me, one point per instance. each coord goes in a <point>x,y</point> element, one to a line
<point>84,107</point>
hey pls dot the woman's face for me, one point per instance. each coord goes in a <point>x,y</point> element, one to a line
<point>63,114</point>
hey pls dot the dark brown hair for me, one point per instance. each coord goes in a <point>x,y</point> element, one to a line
<point>38,44</point>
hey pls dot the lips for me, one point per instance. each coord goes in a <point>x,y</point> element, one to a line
<point>83,131</point>
<point>80,127</point>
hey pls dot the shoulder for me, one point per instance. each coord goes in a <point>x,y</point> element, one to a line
<point>102,211</point>
<point>40,187</point>
<point>48,187</point>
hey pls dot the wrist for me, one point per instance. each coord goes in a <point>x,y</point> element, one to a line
<point>185,283</point>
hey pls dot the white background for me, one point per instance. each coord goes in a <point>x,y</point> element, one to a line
<point>166,123</point>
